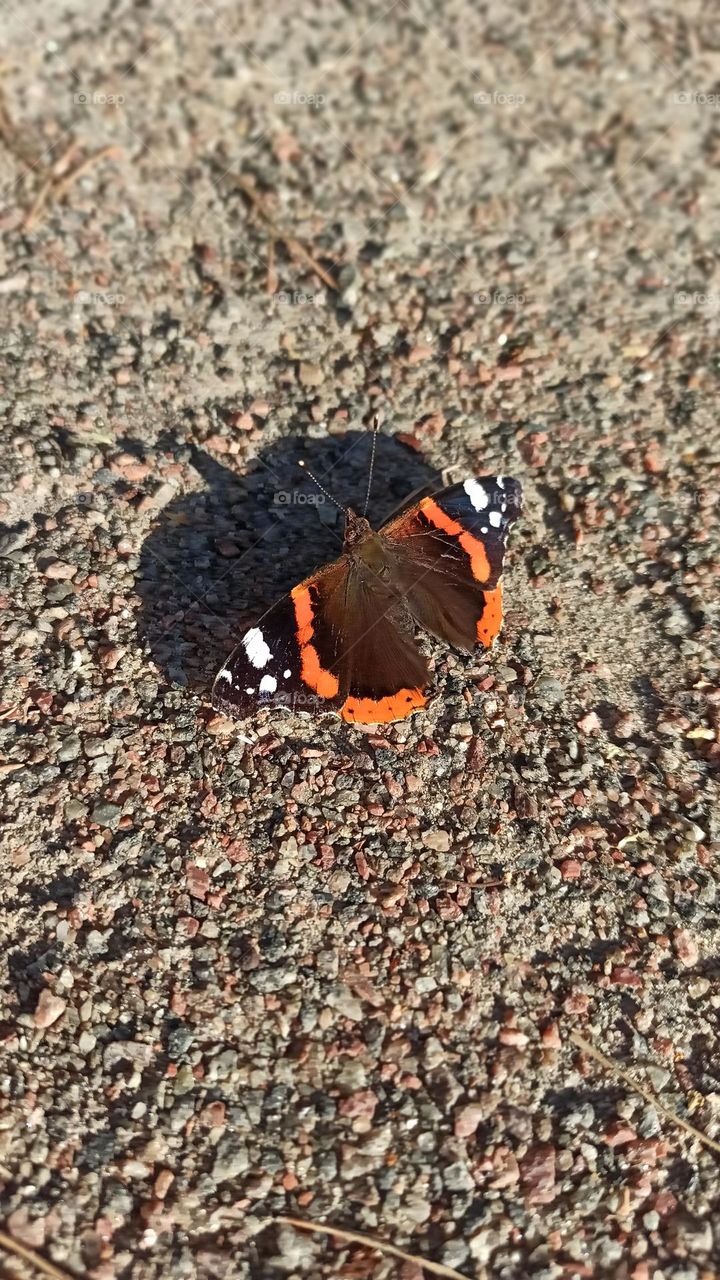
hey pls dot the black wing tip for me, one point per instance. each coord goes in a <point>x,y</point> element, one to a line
<point>218,700</point>
<point>508,490</point>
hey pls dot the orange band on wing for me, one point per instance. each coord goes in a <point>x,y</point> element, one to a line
<point>312,671</point>
<point>315,675</point>
<point>382,710</point>
<point>479,562</point>
<point>303,614</point>
<point>492,615</point>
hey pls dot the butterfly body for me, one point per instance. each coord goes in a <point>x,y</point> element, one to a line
<point>343,639</point>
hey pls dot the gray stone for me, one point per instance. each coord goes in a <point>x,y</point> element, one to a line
<point>106,814</point>
<point>547,691</point>
<point>457,1177</point>
<point>231,1158</point>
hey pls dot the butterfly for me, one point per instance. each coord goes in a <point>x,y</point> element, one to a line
<point>344,639</point>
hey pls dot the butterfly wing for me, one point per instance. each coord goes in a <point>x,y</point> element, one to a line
<point>336,642</point>
<point>276,663</point>
<point>446,557</point>
<point>382,673</point>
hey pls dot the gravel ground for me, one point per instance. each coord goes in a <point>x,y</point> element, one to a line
<point>333,973</point>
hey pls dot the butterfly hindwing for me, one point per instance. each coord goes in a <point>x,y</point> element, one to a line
<point>382,671</point>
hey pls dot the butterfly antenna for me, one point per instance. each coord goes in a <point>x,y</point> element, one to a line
<point>321,487</point>
<point>376,427</point>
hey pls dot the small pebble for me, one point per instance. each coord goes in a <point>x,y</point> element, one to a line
<point>49,1009</point>
<point>437,839</point>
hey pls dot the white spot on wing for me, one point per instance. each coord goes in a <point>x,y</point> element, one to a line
<point>225,675</point>
<point>268,684</point>
<point>287,674</point>
<point>256,648</point>
<point>249,690</point>
<point>476,494</point>
<point>495,519</point>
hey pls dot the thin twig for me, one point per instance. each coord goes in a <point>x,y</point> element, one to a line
<point>643,1090</point>
<point>82,169</point>
<point>57,187</point>
<point>46,187</point>
<point>38,203</point>
<point>61,166</point>
<point>293,246</point>
<point>29,1255</point>
<point>298,250</point>
<point>356,1237</point>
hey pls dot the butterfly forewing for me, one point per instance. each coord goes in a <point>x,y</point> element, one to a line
<point>447,554</point>
<point>276,663</point>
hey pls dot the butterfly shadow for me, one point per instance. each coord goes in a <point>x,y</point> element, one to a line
<point>218,557</point>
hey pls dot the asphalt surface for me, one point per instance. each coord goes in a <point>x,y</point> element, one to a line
<point>297,969</point>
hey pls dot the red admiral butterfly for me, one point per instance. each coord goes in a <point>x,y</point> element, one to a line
<point>343,639</point>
